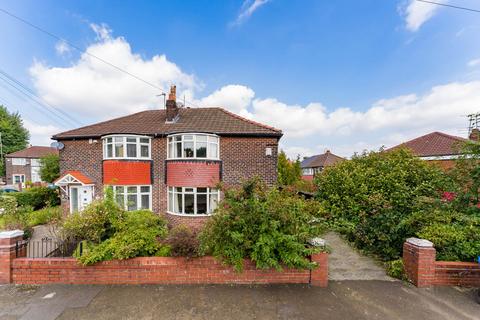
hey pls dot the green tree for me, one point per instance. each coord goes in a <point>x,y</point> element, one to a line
<point>14,135</point>
<point>371,195</point>
<point>289,171</point>
<point>50,167</point>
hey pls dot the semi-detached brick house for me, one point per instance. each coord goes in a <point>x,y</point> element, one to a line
<point>169,161</point>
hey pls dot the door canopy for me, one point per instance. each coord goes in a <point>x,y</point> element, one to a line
<point>73,177</point>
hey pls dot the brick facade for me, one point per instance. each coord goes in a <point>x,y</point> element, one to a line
<point>11,169</point>
<point>241,158</point>
<point>423,270</point>
<point>193,173</point>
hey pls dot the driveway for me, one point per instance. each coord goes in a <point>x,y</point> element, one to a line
<point>341,300</point>
<point>346,263</point>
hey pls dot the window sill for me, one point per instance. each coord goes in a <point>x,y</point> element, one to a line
<point>189,215</point>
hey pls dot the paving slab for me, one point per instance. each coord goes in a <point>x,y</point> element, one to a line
<point>347,263</point>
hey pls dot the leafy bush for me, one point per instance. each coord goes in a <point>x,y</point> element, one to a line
<point>95,223</point>
<point>288,172</point>
<point>44,216</point>
<point>136,234</point>
<point>183,242</point>
<point>454,242</point>
<point>38,197</point>
<point>13,217</point>
<point>395,269</point>
<point>268,226</point>
<point>370,195</point>
<point>108,232</point>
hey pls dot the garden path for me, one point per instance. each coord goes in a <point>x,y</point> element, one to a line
<point>346,263</point>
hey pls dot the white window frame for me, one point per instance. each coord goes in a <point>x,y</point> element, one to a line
<point>22,178</point>
<point>307,171</point>
<point>210,192</point>
<point>20,161</point>
<point>139,194</point>
<point>124,142</point>
<point>171,141</point>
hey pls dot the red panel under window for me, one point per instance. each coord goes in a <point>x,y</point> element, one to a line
<point>126,172</point>
<point>193,174</point>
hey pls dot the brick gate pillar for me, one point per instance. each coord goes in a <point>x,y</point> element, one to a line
<point>419,261</point>
<point>8,240</point>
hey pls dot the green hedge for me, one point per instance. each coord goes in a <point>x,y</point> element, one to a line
<point>38,197</point>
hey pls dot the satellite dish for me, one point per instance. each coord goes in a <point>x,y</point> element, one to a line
<point>57,145</point>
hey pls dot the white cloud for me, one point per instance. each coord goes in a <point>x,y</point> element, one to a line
<point>234,97</point>
<point>62,48</point>
<point>474,62</point>
<point>247,9</point>
<point>417,13</point>
<point>102,31</point>
<point>94,89</point>
<point>40,134</point>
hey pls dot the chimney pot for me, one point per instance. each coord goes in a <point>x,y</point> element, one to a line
<point>172,108</point>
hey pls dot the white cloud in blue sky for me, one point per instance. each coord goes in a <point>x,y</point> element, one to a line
<point>247,9</point>
<point>417,13</point>
<point>97,91</point>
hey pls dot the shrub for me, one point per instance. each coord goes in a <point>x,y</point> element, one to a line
<point>268,226</point>
<point>50,167</point>
<point>38,197</point>
<point>454,242</point>
<point>44,216</point>
<point>370,195</point>
<point>95,223</point>
<point>395,269</point>
<point>136,234</point>
<point>183,242</point>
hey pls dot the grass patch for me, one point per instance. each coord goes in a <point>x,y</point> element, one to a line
<point>44,216</point>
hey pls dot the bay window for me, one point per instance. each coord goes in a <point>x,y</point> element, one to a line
<point>193,146</point>
<point>133,198</point>
<point>192,201</point>
<point>126,147</point>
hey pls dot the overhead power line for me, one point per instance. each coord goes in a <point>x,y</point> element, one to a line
<point>42,102</point>
<point>85,52</point>
<point>449,5</point>
<point>37,102</point>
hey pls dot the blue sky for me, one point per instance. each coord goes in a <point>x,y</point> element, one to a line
<point>343,75</point>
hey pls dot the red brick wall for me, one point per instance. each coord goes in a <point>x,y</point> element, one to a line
<point>7,255</point>
<point>158,270</point>
<point>452,273</point>
<point>423,271</point>
<point>242,158</point>
<point>127,172</point>
<point>443,164</point>
<point>193,173</point>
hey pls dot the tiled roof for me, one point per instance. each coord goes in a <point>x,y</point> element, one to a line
<point>33,152</point>
<point>152,122</point>
<point>77,175</point>
<point>433,144</point>
<point>321,160</point>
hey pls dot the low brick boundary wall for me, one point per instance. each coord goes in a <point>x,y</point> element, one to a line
<point>145,270</point>
<point>424,271</point>
<point>159,270</point>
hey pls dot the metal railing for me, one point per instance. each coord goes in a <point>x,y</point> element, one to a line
<point>47,248</point>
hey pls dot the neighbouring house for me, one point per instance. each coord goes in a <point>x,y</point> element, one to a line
<point>169,161</point>
<point>315,164</point>
<point>24,165</point>
<point>438,147</point>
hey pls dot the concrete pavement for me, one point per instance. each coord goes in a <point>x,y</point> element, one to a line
<point>341,300</point>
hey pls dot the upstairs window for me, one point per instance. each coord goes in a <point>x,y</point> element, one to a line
<point>126,147</point>
<point>19,161</point>
<point>193,146</point>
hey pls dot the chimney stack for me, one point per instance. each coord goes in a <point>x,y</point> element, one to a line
<point>172,108</point>
<point>474,135</point>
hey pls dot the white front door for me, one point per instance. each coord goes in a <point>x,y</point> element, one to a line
<point>80,197</point>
